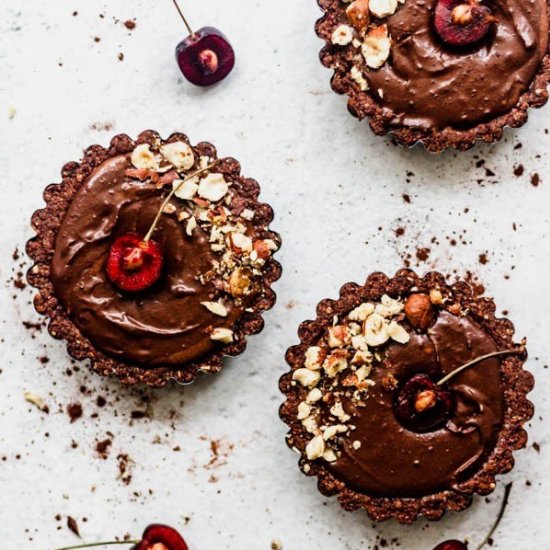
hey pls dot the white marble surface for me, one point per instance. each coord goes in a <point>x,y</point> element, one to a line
<point>337,191</point>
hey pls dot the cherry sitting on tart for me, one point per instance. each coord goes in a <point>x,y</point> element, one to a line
<point>421,405</point>
<point>205,56</point>
<point>134,264</point>
<point>462,22</point>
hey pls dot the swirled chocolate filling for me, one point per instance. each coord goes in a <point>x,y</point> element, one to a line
<point>165,325</point>
<point>393,461</point>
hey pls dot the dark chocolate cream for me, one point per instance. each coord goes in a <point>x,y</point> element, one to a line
<point>428,84</point>
<point>393,461</point>
<point>165,325</point>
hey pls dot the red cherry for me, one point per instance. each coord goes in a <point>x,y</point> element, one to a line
<point>451,545</point>
<point>205,57</point>
<point>134,264</point>
<point>462,22</point>
<point>421,405</point>
<point>161,537</point>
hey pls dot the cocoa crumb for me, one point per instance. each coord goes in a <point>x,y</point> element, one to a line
<point>422,254</point>
<point>536,446</point>
<point>519,170</point>
<point>483,259</point>
<point>102,448</point>
<point>102,126</point>
<point>73,525</point>
<point>406,198</point>
<point>535,180</point>
<point>29,325</point>
<point>130,24</point>
<point>124,465</point>
<point>474,282</point>
<point>74,410</point>
<point>18,282</point>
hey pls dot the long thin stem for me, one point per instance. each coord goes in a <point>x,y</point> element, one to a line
<point>183,17</point>
<point>172,193</point>
<point>499,517</point>
<point>478,360</point>
<point>94,544</point>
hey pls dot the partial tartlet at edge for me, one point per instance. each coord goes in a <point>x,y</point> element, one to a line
<point>363,103</point>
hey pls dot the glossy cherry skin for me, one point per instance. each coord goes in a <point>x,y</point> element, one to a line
<point>134,265</point>
<point>437,404</point>
<point>462,22</point>
<point>161,535</point>
<point>451,545</point>
<point>205,57</point>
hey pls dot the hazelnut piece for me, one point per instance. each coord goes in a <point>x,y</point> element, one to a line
<point>359,14</point>
<point>419,311</point>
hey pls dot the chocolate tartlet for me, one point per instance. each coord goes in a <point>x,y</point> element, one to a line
<point>442,72</point>
<point>147,310</point>
<point>375,412</point>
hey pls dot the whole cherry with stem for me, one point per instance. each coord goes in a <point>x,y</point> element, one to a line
<point>459,545</point>
<point>135,262</point>
<point>155,537</point>
<point>423,405</point>
<point>205,56</point>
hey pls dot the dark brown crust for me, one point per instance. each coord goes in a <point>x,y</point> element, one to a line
<point>517,384</point>
<point>46,223</point>
<point>362,105</point>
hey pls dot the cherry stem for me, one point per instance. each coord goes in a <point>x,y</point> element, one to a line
<point>94,544</point>
<point>507,491</point>
<point>452,374</point>
<point>171,194</point>
<point>183,17</point>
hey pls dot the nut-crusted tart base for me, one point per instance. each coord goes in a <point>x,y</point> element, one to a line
<point>456,301</point>
<point>48,221</point>
<point>362,102</point>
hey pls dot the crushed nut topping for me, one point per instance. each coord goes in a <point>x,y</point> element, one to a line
<point>365,30</point>
<point>336,371</point>
<point>209,207</point>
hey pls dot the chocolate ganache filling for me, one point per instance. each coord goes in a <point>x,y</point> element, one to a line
<point>393,461</point>
<point>165,325</point>
<point>429,84</point>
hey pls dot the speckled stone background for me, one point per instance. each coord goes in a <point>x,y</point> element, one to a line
<point>211,458</point>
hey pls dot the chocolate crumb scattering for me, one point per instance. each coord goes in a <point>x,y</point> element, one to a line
<point>369,44</point>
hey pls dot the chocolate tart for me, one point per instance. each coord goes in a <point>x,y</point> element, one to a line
<point>218,259</point>
<point>399,74</point>
<point>348,377</point>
